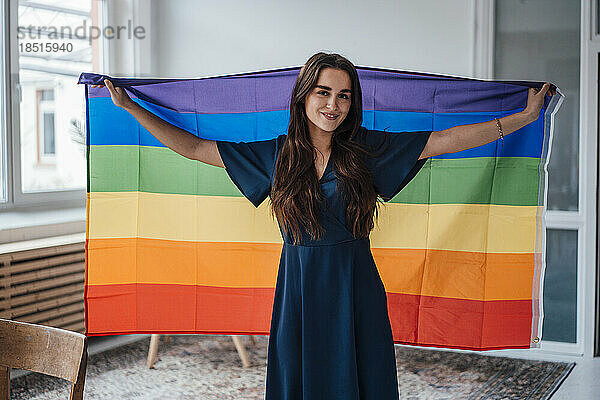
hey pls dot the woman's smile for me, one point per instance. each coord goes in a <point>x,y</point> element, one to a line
<point>330,116</point>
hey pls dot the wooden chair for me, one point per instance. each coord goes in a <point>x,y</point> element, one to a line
<point>50,351</point>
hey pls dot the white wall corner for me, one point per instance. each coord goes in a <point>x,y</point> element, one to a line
<point>144,64</point>
<point>588,330</point>
<point>129,56</point>
<point>483,39</point>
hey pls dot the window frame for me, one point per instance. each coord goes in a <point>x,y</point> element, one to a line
<point>5,120</point>
<point>16,199</point>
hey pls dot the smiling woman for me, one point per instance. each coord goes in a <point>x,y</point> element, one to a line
<point>330,334</point>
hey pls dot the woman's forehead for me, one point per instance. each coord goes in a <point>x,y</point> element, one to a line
<point>334,79</point>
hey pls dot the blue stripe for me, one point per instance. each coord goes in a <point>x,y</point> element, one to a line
<point>111,125</point>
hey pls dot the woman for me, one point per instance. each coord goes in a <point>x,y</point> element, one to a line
<point>330,335</point>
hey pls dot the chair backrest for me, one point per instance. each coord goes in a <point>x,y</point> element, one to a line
<point>50,351</point>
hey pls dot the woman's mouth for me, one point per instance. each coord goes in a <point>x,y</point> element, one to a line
<point>329,116</point>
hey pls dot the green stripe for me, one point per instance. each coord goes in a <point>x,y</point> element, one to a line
<point>117,169</point>
<point>485,180</point>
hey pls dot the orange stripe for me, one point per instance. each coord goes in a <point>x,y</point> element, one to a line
<point>440,273</point>
<point>416,320</point>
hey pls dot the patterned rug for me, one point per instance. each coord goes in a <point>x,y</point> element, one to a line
<point>208,367</point>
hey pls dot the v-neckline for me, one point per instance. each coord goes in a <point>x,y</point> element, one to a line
<point>326,168</point>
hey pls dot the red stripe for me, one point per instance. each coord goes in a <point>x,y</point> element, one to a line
<point>460,323</point>
<point>416,320</point>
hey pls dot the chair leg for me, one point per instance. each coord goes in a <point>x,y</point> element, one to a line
<point>153,350</point>
<point>4,383</point>
<point>77,387</point>
<point>241,350</point>
<point>253,340</point>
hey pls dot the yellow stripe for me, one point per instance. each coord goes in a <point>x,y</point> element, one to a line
<point>460,227</point>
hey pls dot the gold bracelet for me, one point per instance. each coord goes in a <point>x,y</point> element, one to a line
<point>500,131</point>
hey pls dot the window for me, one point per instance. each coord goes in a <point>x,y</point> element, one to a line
<point>560,286</point>
<point>50,45</point>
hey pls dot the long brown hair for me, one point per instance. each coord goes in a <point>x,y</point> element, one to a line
<point>296,195</point>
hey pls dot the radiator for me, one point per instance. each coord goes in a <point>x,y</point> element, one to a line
<point>44,286</point>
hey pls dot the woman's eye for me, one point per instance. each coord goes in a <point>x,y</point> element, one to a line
<point>342,95</point>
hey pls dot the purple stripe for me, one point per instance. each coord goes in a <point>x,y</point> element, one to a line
<point>383,90</point>
<point>261,92</point>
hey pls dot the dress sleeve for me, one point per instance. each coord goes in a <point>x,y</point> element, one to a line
<point>250,166</point>
<point>394,166</point>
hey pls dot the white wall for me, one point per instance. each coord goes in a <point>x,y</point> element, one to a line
<point>194,39</point>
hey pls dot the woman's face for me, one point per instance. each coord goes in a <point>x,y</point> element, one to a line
<point>329,101</point>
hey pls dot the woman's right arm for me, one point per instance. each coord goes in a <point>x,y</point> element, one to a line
<point>177,139</point>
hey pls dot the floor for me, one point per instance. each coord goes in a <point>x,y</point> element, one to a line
<point>583,383</point>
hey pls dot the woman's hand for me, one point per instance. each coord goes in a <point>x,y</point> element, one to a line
<point>535,100</point>
<point>118,95</point>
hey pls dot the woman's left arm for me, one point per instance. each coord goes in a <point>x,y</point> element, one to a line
<point>464,137</point>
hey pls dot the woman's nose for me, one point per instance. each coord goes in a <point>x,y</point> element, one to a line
<point>332,103</point>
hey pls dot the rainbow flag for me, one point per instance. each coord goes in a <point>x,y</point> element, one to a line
<point>172,246</point>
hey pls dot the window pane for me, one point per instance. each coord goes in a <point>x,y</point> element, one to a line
<point>539,40</point>
<point>52,110</point>
<point>47,94</point>
<point>49,133</point>
<point>560,287</point>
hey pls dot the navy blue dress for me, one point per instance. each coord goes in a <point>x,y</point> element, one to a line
<point>330,334</point>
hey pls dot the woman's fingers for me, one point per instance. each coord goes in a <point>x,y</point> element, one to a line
<point>118,94</point>
<point>111,88</point>
<point>101,85</point>
<point>109,85</point>
<point>547,87</point>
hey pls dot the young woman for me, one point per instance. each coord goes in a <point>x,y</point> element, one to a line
<point>330,335</point>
